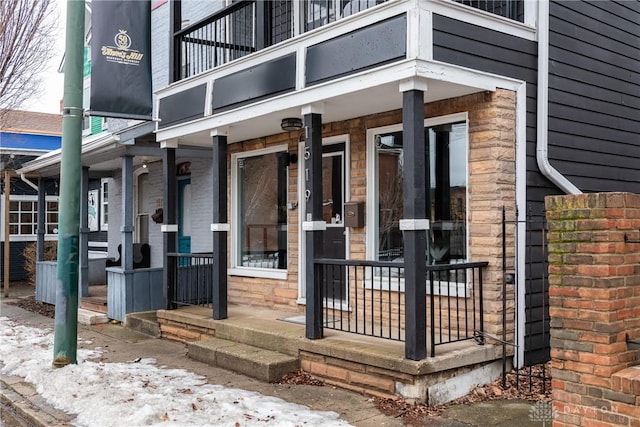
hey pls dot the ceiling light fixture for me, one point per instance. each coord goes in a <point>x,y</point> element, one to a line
<point>291,123</point>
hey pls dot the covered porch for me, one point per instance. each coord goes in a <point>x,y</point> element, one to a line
<point>398,91</point>
<point>116,272</point>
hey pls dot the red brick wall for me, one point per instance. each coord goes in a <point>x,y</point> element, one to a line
<point>594,304</point>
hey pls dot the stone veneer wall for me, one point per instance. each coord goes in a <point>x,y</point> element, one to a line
<point>594,304</point>
<point>491,185</point>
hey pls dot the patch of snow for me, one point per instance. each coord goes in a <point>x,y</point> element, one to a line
<point>139,393</point>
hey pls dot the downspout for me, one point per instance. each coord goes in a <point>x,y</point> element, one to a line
<point>29,183</point>
<point>542,144</point>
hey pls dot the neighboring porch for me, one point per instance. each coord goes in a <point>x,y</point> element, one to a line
<point>116,243</point>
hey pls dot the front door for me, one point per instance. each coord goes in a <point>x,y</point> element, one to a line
<point>333,194</point>
<point>184,216</point>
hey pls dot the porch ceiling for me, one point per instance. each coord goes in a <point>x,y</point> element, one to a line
<point>349,105</point>
<point>102,153</point>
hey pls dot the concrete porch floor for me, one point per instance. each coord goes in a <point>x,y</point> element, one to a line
<point>336,356</point>
<point>96,300</point>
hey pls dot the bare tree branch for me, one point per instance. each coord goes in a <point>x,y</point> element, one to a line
<point>28,31</point>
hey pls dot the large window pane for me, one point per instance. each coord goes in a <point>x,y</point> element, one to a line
<point>262,211</point>
<point>52,218</point>
<point>446,198</point>
<point>390,202</point>
<point>104,204</point>
<point>23,217</point>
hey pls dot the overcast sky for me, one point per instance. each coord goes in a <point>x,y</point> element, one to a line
<point>49,102</point>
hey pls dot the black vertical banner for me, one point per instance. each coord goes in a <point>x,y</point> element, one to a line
<point>121,59</point>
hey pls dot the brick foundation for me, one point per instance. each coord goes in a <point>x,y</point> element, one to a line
<point>594,304</point>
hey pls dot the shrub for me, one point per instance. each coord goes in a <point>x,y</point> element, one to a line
<point>29,253</point>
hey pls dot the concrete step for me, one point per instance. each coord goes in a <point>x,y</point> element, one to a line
<point>88,317</point>
<point>145,322</point>
<point>259,333</point>
<point>264,365</point>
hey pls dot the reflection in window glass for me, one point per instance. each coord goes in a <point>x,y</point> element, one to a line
<point>332,189</point>
<point>262,211</point>
<point>447,195</point>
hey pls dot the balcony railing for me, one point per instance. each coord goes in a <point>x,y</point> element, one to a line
<point>222,37</point>
<point>247,26</point>
<point>367,298</point>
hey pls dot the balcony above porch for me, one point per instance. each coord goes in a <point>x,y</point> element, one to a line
<point>352,65</point>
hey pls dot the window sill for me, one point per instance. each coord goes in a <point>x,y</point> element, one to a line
<point>396,284</point>
<point>266,273</point>
<point>31,237</point>
<point>340,306</point>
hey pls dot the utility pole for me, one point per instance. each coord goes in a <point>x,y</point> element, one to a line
<point>7,232</point>
<point>65,344</point>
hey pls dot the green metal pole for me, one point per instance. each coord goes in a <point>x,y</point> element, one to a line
<point>65,344</point>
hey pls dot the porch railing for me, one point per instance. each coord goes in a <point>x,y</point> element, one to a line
<point>367,298</point>
<point>191,279</point>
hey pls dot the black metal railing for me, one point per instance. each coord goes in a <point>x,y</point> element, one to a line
<point>533,372</point>
<point>367,298</point>
<point>191,279</point>
<point>318,13</point>
<point>248,26</point>
<point>222,37</point>
<point>512,9</point>
<point>456,303</point>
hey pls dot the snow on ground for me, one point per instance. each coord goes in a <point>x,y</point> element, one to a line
<point>139,393</point>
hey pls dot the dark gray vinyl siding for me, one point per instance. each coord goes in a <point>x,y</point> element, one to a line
<point>483,49</point>
<point>494,52</point>
<point>594,93</point>
<point>16,261</point>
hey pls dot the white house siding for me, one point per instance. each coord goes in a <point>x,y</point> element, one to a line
<point>202,203</point>
<point>114,235</point>
<point>195,10</point>
<point>159,46</point>
<point>153,202</point>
